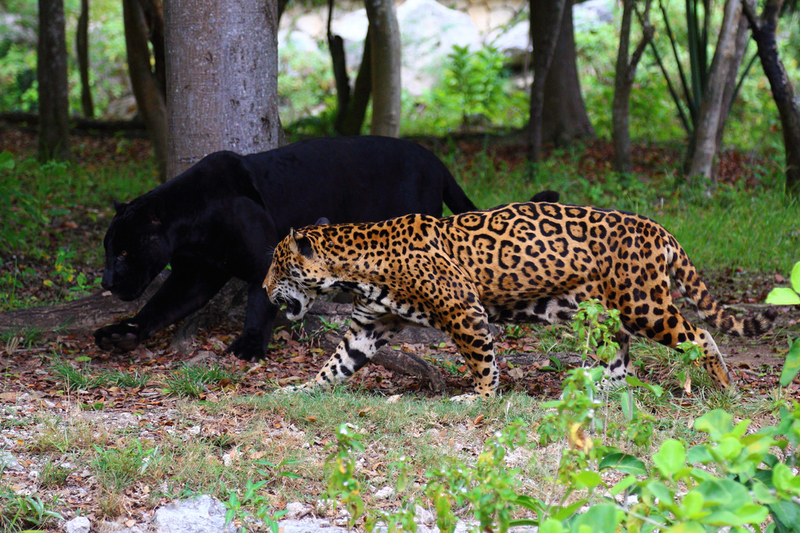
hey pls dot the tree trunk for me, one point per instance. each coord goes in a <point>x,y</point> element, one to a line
<point>222,79</point>
<point>564,117</point>
<point>545,26</point>
<point>384,34</point>
<point>764,29</point>
<point>623,82</point>
<point>352,123</point>
<point>82,51</point>
<point>729,94</point>
<point>51,68</point>
<point>222,92</point>
<point>146,87</point>
<point>703,145</point>
<point>352,105</point>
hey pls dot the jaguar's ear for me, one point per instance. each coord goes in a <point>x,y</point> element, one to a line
<point>322,221</point>
<point>300,244</point>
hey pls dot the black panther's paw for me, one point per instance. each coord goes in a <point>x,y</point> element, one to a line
<point>122,337</point>
<point>249,346</point>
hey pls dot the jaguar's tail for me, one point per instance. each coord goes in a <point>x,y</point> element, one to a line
<point>694,289</point>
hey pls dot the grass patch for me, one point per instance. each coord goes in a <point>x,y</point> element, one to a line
<point>192,381</point>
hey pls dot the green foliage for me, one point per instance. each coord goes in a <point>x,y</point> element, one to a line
<point>789,296</point>
<point>596,328</point>
<point>254,497</point>
<point>20,513</point>
<point>119,468</point>
<point>733,480</point>
<point>108,75</point>
<point>73,378</point>
<point>192,381</point>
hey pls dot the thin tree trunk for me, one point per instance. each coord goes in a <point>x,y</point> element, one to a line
<point>222,79</point>
<point>146,87</point>
<point>703,146</point>
<point>564,117</point>
<point>764,29</point>
<point>545,25</point>
<point>82,51</point>
<point>623,82</point>
<point>352,105</point>
<point>51,68</point>
<point>729,94</point>
<point>384,34</point>
<point>359,99</point>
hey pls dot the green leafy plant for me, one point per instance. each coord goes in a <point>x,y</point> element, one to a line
<point>789,296</point>
<point>254,497</point>
<point>193,380</point>
<point>73,378</point>
<point>20,513</point>
<point>73,281</point>
<point>119,468</point>
<point>473,83</point>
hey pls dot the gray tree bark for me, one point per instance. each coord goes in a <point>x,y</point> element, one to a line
<point>704,148</point>
<point>222,94</point>
<point>384,35</point>
<point>51,68</point>
<point>623,82</point>
<point>222,78</point>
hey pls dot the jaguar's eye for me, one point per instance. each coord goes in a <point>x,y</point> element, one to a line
<point>122,254</point>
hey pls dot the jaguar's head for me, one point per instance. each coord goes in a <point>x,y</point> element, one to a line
<point>298,273</point>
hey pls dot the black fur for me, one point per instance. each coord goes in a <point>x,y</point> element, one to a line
<point>223,217</point>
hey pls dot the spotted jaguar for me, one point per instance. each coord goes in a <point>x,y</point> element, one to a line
<point>523,262</point>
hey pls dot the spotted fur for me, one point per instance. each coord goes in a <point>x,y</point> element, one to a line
<point>525,262</point>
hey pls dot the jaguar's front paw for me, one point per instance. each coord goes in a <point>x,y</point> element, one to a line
<point>123,337</point>
<point>303,387</point>
<point>466,399</point>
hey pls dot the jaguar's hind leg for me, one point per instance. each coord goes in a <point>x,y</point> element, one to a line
<point>672,329</point>
<point>474,341</point>
<point>621,366</point>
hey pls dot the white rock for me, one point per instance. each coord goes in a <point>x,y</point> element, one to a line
<point>80,524</point>
<point>296,510</point>
<point>423,516</point>
<point>203,514</point>
<point>384,493</point>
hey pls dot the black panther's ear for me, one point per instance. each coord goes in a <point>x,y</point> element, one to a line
<point>119,207</point>
<point>322,221</point>
<point>546,196</point>
<point>300,244</point>
<point>156,210</point>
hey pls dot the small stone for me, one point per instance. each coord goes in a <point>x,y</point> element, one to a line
<point>9,462</point>
<point>384,493</point>
<point>80,524</point>
<point>423,516</point>
<point>296,510</point>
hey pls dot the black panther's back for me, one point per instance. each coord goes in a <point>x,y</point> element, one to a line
<point>354,179</point>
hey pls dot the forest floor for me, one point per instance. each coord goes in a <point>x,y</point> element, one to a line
<point>32,391</point>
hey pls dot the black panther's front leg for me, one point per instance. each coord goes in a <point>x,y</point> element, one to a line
<point>259,321</point>
<point>188,288</point>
